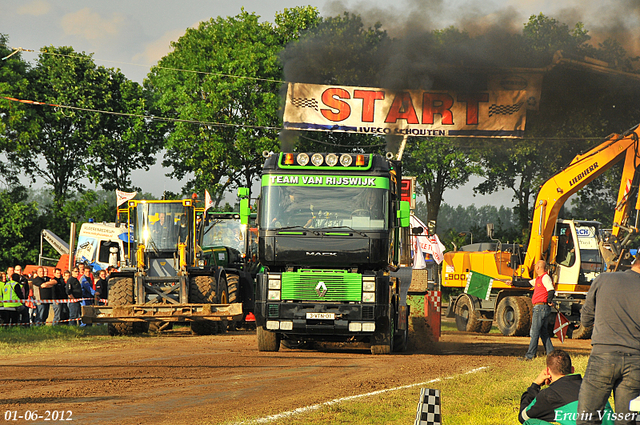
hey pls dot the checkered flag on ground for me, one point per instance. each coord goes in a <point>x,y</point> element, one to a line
<point>504,109</point>
<point>428,408</point>
<point>302,102</point>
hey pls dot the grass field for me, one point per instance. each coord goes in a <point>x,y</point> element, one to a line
<point>25,340</point>
<point>488,397</point>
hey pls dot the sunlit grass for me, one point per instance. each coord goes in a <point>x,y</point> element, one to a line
<point>21,339</point>
<point>488,397</point>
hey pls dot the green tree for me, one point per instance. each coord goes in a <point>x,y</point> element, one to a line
<point>124,143</point>
<point>13,82</point>
<point>19,228</point>
<point>232,90</point>
<point>544,36</point>
<point>338,50</point>
<point>438,164</point>
<point>62,146</point>
<point>576,108</point>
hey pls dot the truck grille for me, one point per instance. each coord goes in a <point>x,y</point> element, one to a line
<point>368,312</point>
<point>340,285</point>
<point>273,310</point>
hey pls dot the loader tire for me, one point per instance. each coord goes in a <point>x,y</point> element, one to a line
<point>267,340</point>
<point>202,290</point>
<point>485,327</point>
<point>157,327</point>
<point>467,316</point>
<point>579,331</point>
<point>513,317</point>
<point>121,293</point>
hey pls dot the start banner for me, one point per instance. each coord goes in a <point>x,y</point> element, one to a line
<point>366,110</point>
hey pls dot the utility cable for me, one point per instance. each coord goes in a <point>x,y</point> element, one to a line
<point>268,80</point>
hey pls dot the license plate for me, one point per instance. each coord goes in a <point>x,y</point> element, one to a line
<point>321,316</point>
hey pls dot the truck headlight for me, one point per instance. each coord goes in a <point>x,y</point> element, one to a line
<point>302,158</point>
<point>368,286</point>
<point>317,159</point>
<point>274,295</point>
<point>331,159</point>
<point>274,283</point>
<point>368,327</point>
<point>273,325</point>
<point>368,297</point>
<point>355,327</point>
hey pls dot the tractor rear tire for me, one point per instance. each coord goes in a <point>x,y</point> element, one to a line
<point>466,315</point>
<point>267,340</point>
<point>233,291</point>
<point>513,317</point>
<point>202,290</point>
<point>121,293</point>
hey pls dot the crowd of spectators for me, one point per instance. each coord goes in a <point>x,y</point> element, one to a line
<point>26,298</point>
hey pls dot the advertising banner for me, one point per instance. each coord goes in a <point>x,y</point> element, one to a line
<point>422,113</point>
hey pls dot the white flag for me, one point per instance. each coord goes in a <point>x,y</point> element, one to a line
<point>418,256</point>
<point>434,247</point>
<point>122,197</point>
<point>208,203</point>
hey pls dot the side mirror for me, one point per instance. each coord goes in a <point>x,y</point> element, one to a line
<point>243,192</point>
<point>404,214</point>
<point>245,211</point>
<point>490,230</point>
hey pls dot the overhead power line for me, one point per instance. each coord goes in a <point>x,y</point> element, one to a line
<point>220,74</point>
<point>259,127</point>
<point>150,117</point>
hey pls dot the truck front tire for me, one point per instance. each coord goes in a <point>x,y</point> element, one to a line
<point>383,336</point>
<point>267,340</point>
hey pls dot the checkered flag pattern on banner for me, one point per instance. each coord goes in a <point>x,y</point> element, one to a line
<point>504,109</point>
<point>428,408</point>
<point>301,102</point>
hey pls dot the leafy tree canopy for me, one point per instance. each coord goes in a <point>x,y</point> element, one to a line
<point>62,146</point>
<point>233,92</point>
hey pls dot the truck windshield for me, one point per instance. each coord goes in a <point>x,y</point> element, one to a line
<point>162,226</point>
<point>323,207</point>
<point>224,232</point>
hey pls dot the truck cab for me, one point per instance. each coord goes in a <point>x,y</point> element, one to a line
<point>329,234</point>
<point>578,260</point>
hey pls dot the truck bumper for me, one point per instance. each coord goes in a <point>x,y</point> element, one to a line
<point>320,319</point>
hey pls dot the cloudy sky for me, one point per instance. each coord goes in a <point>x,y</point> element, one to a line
<point>134,34</point>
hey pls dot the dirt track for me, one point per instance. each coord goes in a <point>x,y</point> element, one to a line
<point>182,379</point>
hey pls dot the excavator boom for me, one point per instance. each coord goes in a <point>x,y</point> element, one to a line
<point>581,171</point>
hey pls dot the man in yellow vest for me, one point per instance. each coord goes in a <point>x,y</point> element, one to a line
<point>10,300</point>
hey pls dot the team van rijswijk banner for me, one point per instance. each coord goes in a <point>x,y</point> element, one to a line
<point>377,111</point>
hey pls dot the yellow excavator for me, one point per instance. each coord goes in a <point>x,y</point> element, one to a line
<point>576,251</point>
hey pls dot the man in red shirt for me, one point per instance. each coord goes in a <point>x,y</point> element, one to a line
<point>542,298</point>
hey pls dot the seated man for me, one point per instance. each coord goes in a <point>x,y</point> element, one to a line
<point>558,403</point>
